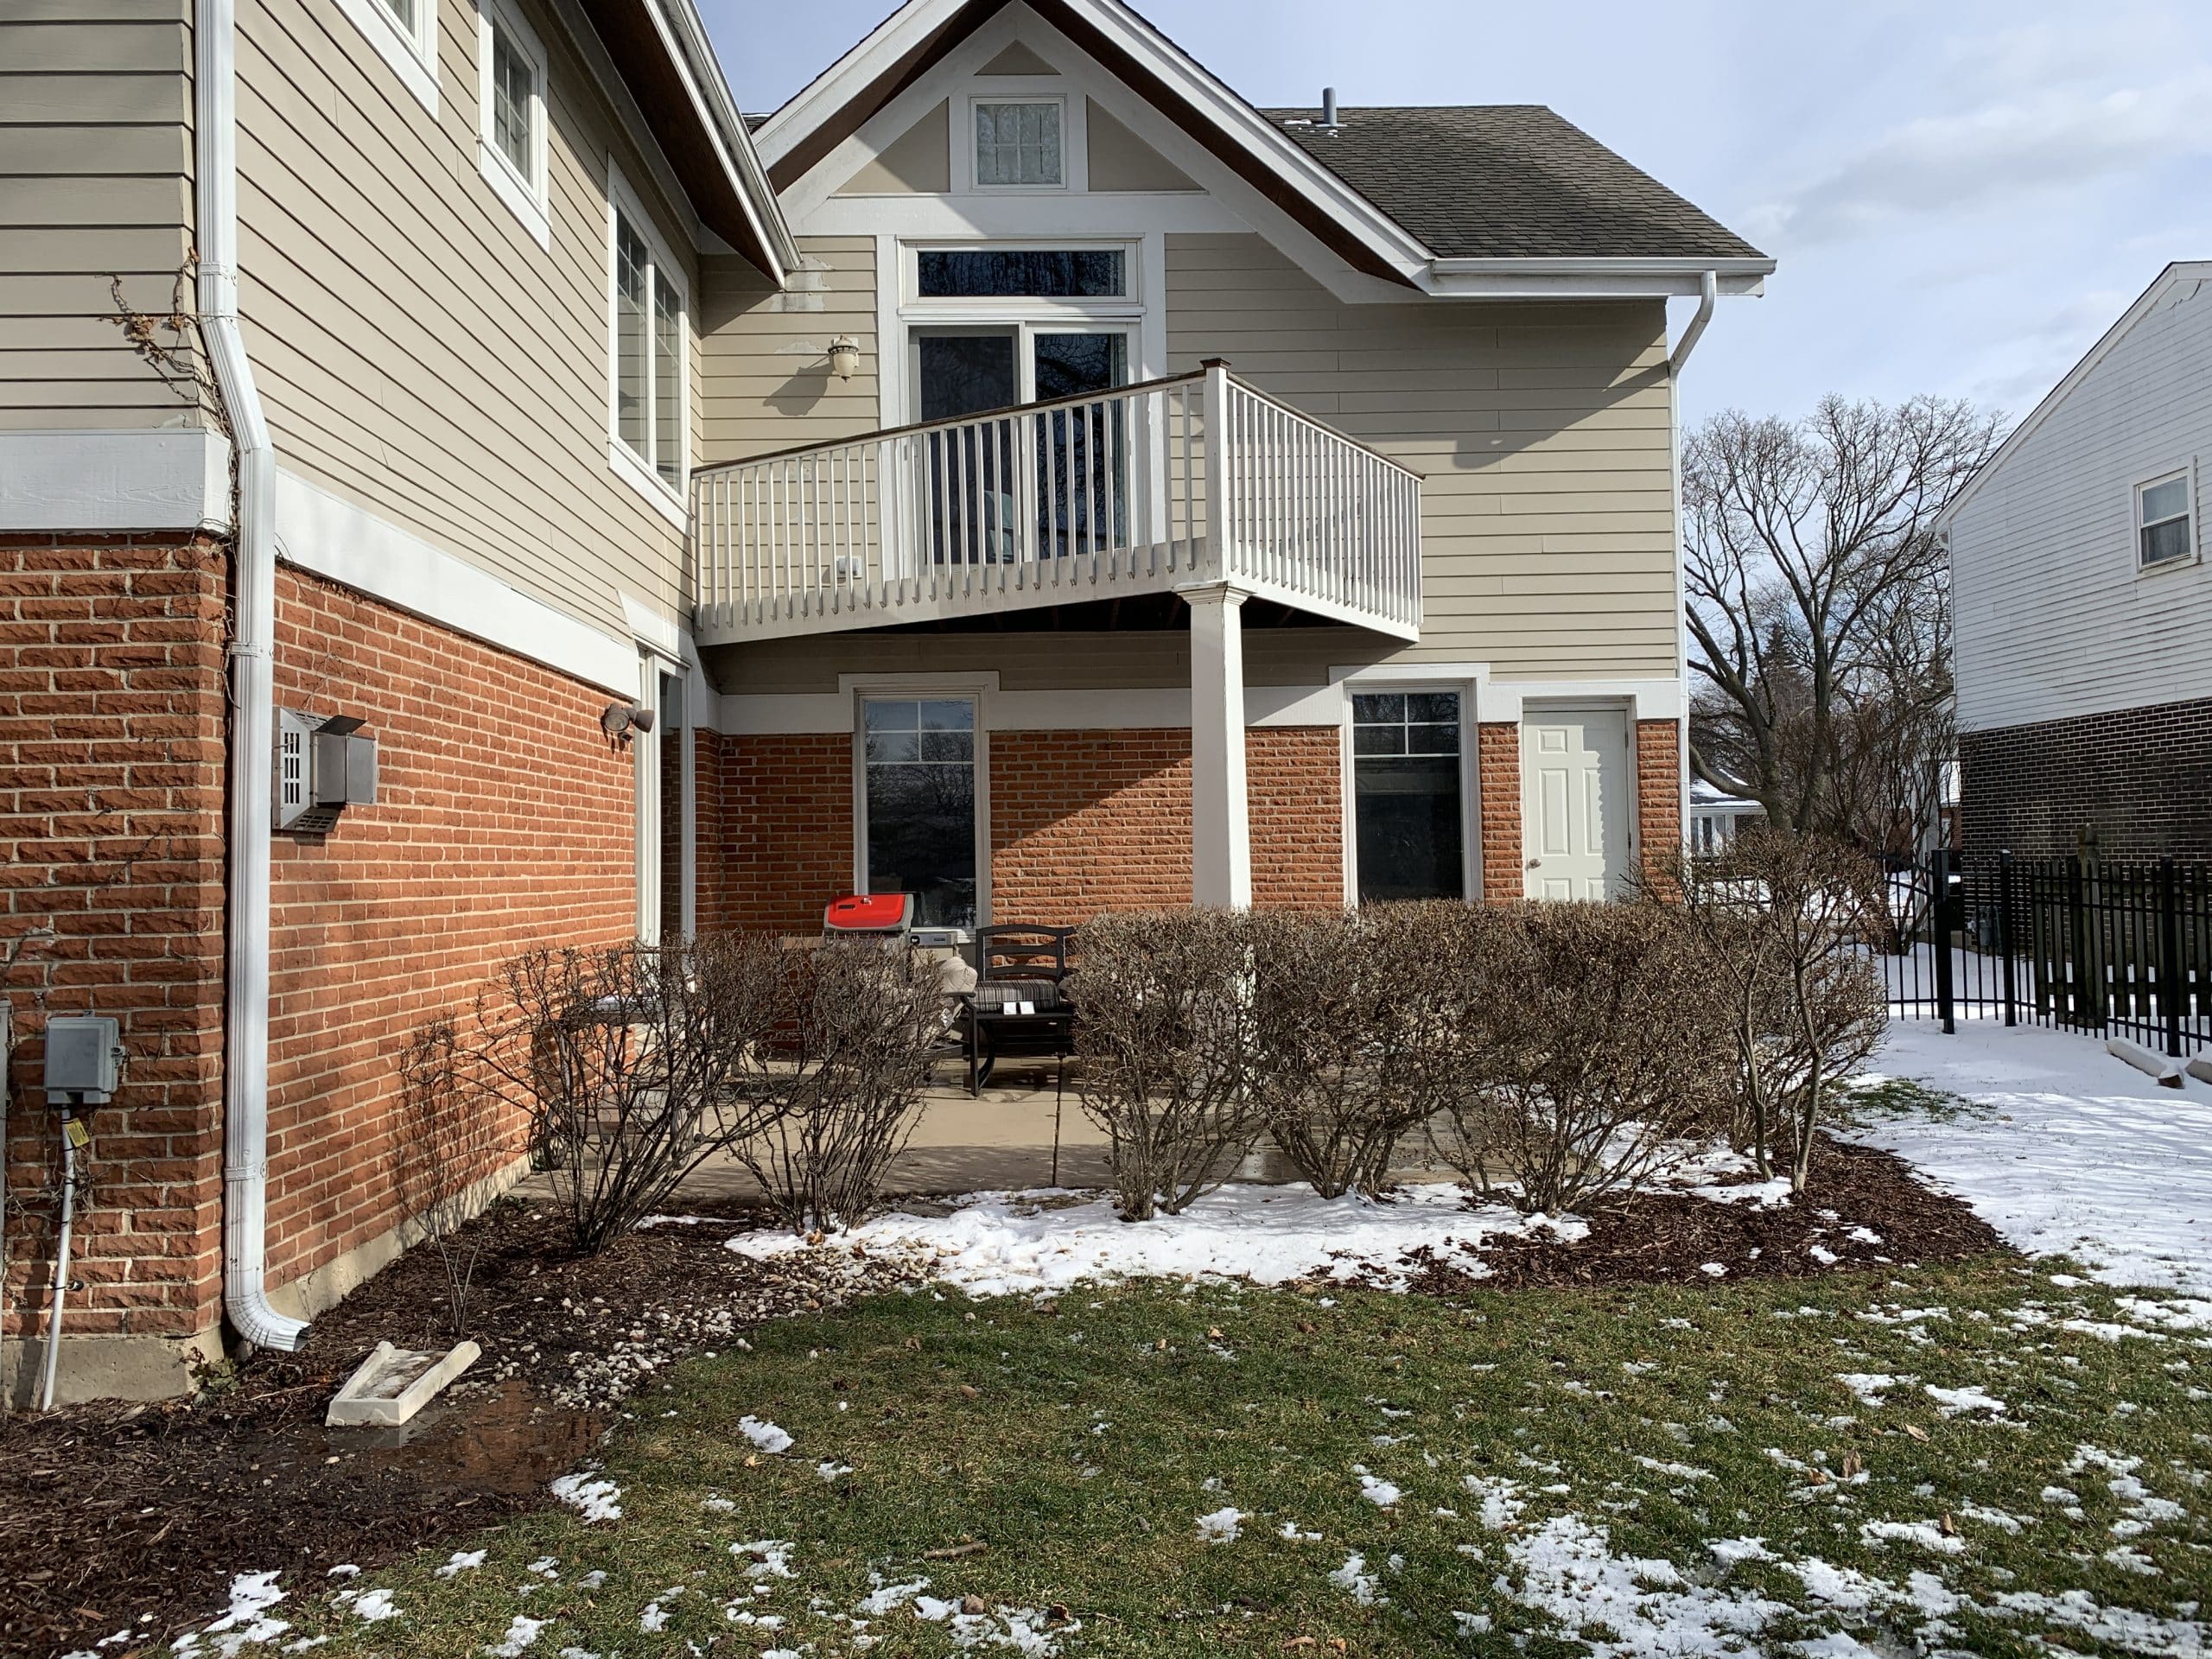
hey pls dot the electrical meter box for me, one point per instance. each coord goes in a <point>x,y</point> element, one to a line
<point>325,763</point>
<point>84,1060</point>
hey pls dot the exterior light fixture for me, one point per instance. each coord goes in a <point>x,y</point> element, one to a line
<point>844,356</point>
<point>620,719</point>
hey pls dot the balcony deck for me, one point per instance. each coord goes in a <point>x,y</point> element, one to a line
<point>1193,480</point>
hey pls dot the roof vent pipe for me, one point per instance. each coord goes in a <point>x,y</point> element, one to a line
<point>1328,107</point>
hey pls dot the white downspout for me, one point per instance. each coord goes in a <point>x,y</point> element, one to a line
<point>1708,290</point>
<point>245,1059</point>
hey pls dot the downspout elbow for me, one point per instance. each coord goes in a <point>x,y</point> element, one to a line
<point>1708,291</point>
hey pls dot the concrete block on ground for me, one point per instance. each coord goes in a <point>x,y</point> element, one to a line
<point>2163,1067</point>
<point>392,1384</point>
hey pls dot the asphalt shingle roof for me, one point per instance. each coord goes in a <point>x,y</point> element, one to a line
<point>1507,181</point>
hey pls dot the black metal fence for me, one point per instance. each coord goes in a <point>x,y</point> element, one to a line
<point>2108,947</point>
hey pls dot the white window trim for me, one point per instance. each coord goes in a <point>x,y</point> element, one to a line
<point>413,57</point>
<point>673,502</point>
<point>1410,678</point>
<point>1075,169</point>
<point>901,310</point>
<point>979,689</point>
<point>529,197</point>
<point>2186,471</point>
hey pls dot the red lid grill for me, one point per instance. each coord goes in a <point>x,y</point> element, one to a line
<point>869,915</point>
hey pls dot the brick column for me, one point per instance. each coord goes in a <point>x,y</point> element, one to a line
<point>1659,792</point>
<point>1497,779</point>
<point>111,736</point>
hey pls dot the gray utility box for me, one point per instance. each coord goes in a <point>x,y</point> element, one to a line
<point>84,1060</point>
<point>325,763</point>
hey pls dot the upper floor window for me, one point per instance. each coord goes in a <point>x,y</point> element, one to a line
<point>2164,529</point>
<point>648,354</point>
<point>510,114</point>
<point>1030,273</point>
<point>1018,145</point>
<point>405,35</point>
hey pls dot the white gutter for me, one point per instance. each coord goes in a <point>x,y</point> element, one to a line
<point>253,554</point>
<point>1708,289</point>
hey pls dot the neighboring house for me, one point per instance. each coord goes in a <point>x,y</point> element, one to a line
<point>561,398</point>
<point>2084,633</point>
<point>1716,817</point>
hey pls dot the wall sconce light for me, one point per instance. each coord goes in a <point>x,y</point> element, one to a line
<point>620,719</point>
<point>844,356</point>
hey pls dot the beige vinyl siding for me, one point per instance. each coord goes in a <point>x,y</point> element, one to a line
<point>766,383</point>
<point>95,182</point>
<point>418,352</point>
<point>1543,433</point>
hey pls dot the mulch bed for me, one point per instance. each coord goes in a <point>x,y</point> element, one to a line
<point>137,1517</point>
<point>1864,1209</point>
<point>116,1517</point>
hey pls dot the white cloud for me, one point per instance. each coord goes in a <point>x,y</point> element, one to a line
<point>1995,156</point>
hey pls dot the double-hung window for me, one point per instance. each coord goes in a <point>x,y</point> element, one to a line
<point>1018,145</point>
<point>2164,522</point>
<point>1407,795</point>
<point>648,356</point>
<point>511,136</point>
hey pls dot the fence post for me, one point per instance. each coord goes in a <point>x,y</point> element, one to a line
<point>2170,968</point>
<point>1939,911</point>
<point>2005,964</point>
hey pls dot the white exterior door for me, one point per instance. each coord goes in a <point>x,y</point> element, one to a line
<point>1577,790</point>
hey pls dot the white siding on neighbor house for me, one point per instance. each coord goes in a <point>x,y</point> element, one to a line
<point>2054,619</point>
<point>419,353</point>
<point>95,183</point>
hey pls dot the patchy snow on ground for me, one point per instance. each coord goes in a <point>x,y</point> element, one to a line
<point>1008,1244</point>
<point>597,1500</point>
<point>2075,1153</point>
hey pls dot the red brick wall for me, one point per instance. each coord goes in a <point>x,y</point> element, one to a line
<point>111,767</point>
<point>1295,784</point>
<point>784,805</point>
<point>1497,793</point>
<point>1083,822</point>
<point>1659,792</point>
<point>502,822</point>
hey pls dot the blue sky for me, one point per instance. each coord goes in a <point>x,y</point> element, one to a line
<point>1963,196</point>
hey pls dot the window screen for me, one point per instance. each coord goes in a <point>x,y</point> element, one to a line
<point>1407,795</point>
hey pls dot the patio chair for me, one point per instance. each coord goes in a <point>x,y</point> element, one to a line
<point>1019,1006</point>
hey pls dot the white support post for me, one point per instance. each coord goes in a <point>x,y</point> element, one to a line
<point>1218,562</point>
<point>1221,828</point>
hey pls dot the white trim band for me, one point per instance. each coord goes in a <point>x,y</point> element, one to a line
<point>331,536</point>
<point>171,477</point>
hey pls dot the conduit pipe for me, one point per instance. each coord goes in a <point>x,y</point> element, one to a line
<point>60,1265</point>
<point>245,1061</point>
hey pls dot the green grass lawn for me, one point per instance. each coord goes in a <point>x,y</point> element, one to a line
<point>1560,1459</point>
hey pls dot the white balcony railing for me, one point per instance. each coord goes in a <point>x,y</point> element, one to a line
<point>1199,478</point>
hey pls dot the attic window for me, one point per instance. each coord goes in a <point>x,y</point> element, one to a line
<point>1018,145</point>
<point>2162,522</point>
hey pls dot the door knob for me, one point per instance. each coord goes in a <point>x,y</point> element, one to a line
<point>1534,862</point>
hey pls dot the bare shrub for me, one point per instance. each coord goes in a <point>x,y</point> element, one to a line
<point>1356,1033</point>
<point>625,1061</point>
<point>448,1142</point>
<point>838,1082</point>
<point>1783,924</point>
<point>1165,1034</point>
<point>1589,1046</point>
